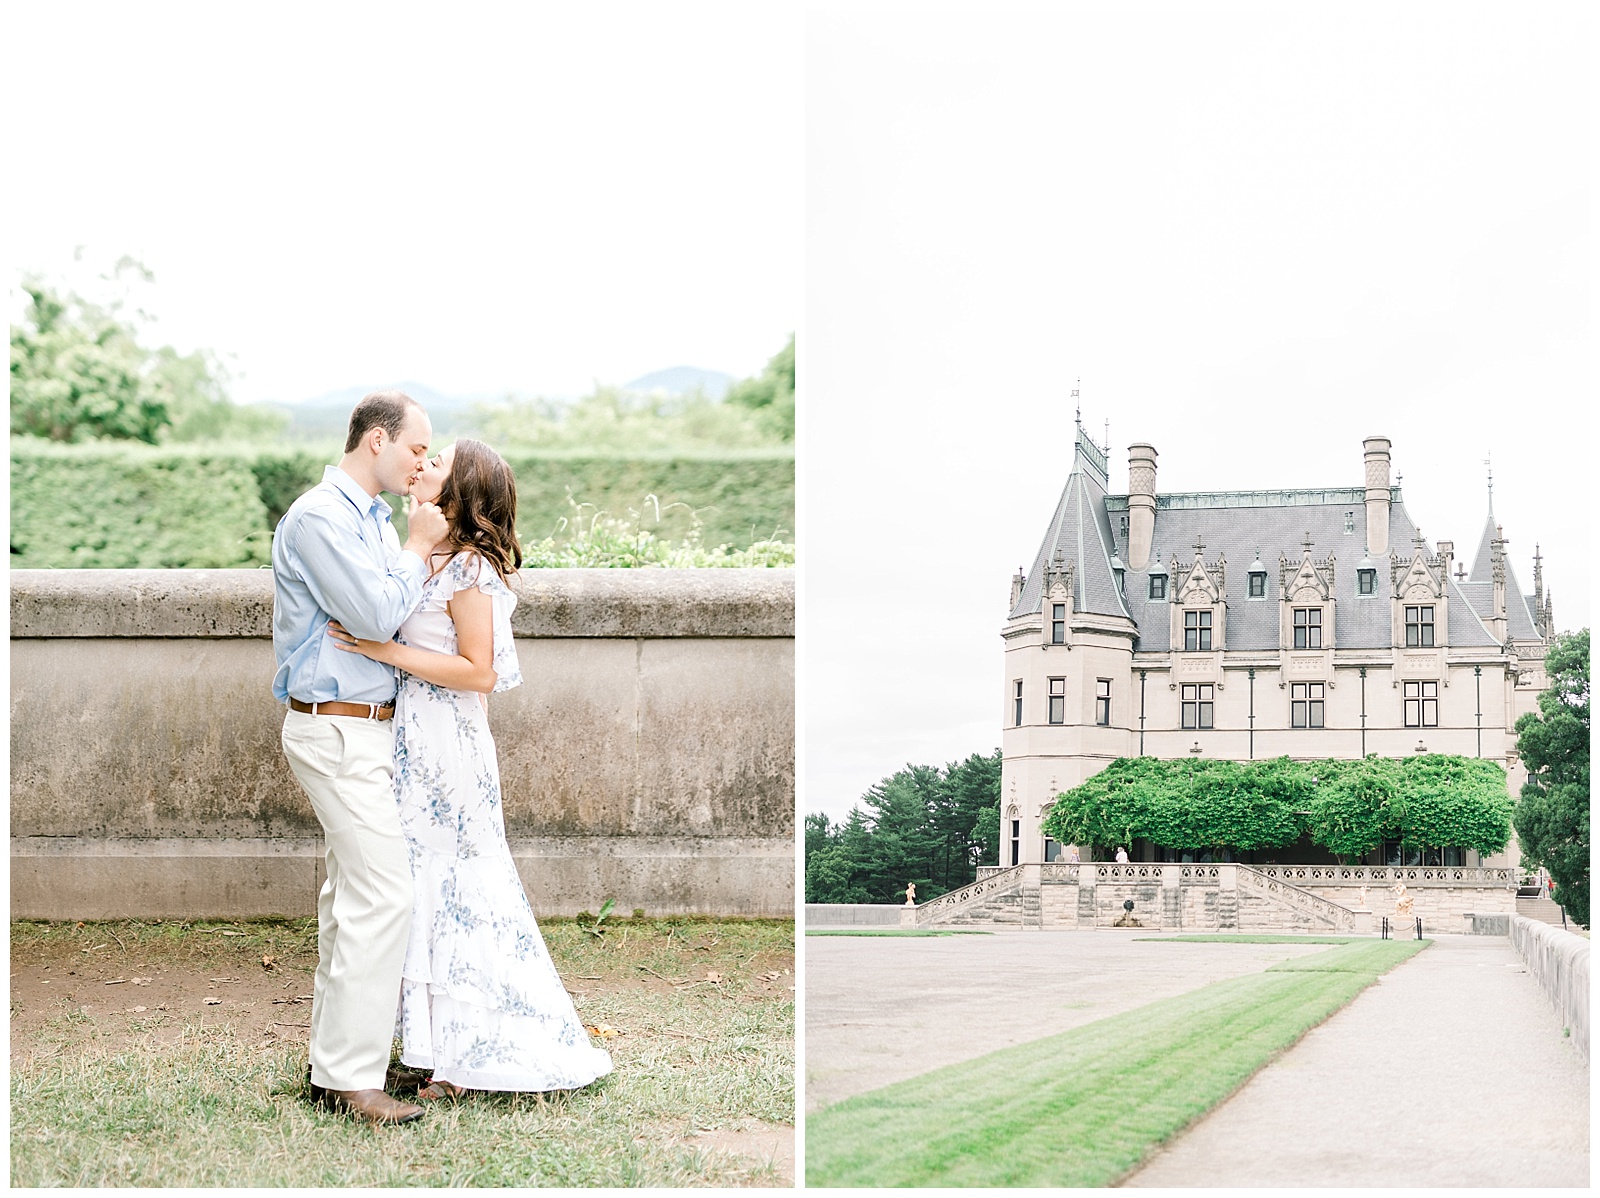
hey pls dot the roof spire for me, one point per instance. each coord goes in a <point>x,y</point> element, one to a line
<point>1490,468</point>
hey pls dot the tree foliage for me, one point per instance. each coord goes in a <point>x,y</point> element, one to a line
<point>1552,819</point>
<point>922,824</point>
<point>756,412</point>
<point>80,373</point>
<point>1348,807</point>
<point>771,393</point>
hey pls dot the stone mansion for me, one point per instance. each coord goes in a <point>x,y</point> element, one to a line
<point>1256,624</point>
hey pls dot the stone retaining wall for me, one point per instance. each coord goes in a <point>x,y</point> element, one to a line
<point>648,756</point>
<point>845,915</point>
<point>1559,961</point>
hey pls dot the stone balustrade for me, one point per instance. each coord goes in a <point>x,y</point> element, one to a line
<point>647,758</point>
<point>1559,961</point>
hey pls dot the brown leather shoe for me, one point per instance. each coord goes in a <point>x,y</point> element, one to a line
<point>372,1105</point>
<point>402,1079</point>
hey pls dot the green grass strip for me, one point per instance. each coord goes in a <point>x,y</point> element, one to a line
<point>1249,938</point>
<point>899,932</point>
<point>1085,1107</point>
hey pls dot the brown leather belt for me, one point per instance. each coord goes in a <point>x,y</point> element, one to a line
<point>365,711</point>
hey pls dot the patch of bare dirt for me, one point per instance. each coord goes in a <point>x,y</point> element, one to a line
<point>63,994</point>
<point>764,1143</point>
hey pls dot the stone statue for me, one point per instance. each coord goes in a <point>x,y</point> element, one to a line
<point>911,894</point>
<point>1363,906</point>
<point>1402,902</point>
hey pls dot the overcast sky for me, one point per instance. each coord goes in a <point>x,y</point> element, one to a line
<point>1257,232</point>
<point>479,197</point>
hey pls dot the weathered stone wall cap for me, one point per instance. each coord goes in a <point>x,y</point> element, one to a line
<point>555,603</point>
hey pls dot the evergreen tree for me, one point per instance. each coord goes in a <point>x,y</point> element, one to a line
<point>1552,820</point>
<point>921,825</point>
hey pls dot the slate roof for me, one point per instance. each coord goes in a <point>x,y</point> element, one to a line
<point>1086,529</point>
<point>1519,612</point>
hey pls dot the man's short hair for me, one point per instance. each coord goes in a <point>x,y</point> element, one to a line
<point>382,409</point>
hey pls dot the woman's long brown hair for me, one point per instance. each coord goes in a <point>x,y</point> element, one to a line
<point>479,499</point>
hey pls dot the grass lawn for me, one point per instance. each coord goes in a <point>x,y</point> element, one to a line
<point>1087,1106</point>
<point>197,1076</point>
<point>898,932</point>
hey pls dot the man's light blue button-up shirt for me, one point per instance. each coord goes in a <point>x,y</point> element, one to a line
<point>336,554</point>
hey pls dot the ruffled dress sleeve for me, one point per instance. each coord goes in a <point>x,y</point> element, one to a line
<point>468,570</point>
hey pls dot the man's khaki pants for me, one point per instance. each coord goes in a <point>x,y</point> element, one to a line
<point>346,765</point>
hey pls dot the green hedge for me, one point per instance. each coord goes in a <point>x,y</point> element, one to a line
<point>1348,807</point>
<point>118,505</point>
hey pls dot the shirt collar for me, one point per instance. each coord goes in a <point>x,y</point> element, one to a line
<point>375,505</point>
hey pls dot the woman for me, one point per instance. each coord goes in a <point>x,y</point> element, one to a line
<point>481,1006</point>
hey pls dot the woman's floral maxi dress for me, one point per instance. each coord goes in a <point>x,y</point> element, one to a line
<point>481,1005</point>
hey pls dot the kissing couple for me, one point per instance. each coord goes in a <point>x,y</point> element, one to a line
<point>385,656</point>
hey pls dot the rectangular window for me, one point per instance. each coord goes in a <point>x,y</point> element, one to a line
<point>1158,586</point>
<point>1016,703</point>
<point>1366,582</point>
<point>1058,700</point>
<point>1052,850</point>
<point>1197,631</point>
<point>1102,702</point>
<point>1394,854</point>
<point>1058,623</point>
<point>1197,699</point>
<point>1016,841</point>
<point>1419,627</point>
<point>1308,628</point>
<point>1422,704</point>
<point>1258,585</point>
<point>1305,704</point>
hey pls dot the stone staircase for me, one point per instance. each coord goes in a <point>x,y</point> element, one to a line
<point>1256,901</point>
<point>1276,900</point>
<point>995,899</point>
<point>1543,908</point>
<point>1016,908</point>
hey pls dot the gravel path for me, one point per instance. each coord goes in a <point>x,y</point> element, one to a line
<point>1451,1071</point>
<point>880,1009</point>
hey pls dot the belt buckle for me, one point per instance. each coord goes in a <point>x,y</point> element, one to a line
<point>372,712</point>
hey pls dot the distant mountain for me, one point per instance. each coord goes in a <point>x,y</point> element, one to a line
<point>683,380</point>
<point>326,416</point>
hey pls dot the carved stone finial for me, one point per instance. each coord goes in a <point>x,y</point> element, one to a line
<point>1308,542</point>
<point>1199,546</point>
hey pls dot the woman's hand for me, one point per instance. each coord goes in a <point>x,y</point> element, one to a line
<point>376,650</point>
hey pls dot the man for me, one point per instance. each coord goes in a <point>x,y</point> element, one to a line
<point>336,555</point>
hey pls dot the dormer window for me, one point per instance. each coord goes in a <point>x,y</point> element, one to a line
<point>1196,632</point>
<point>1419,627</point>
<point>1308,628</point>
<point>1258,584</point>
<point>1366,582</point>
<point>1058,623</point>
<point>1158,586</point>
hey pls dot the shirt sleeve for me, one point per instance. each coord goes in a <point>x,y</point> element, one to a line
<point>370,602</point>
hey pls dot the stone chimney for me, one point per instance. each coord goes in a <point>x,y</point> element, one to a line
<point>1377,467</point>
<point>1141,504</point>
